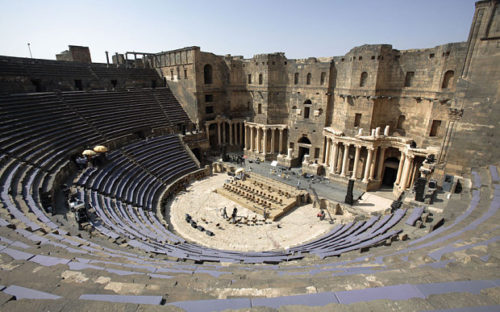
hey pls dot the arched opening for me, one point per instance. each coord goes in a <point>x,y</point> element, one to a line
<point>260,79</point>
<point>207,74</point>
<point>322,78</point>
<point>362,80</point>
<point>308,80</point>
<point>448,80</point>
<point>259,109</point>
<point>391,165</point>
<point>296,78</point>
<point>308,102</point>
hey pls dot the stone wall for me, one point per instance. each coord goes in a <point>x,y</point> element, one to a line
<point>18,75</point>
<point>420,93</point>
<point>475,130</point>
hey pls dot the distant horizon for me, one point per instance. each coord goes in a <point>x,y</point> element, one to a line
<point>319,28</point>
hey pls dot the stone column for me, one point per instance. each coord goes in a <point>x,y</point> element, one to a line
<point>380,162</point>
<point>326,161</point>
<point>219,133</point>
<point>230,133</point>
<point>273,140</point>
<point>345,160</point>
<point>245,147</point>
<point>251,138</point>
<point>259,142</point>
<point>207,130</point>
<point>356,161</point>
<point>335,156</point>
<point>372,165</point>
<point>411,174</point>
<point>223,132</point>
<point>406,171</point>
<point>368,165</point>
<point>280,147</point>
<point>241,133</point>
<point>264,144</point>
<point>289,155</point>
<point>339,159</point>
<point>400,168</point>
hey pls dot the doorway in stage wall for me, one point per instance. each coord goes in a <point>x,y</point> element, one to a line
<point>212,135</point>
<point>304,145</point>
<point>302,151</point>
<point>390,171</point>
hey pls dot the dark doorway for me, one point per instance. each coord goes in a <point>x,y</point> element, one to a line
<point>38,84</point>
<point>212,135</point>
<point>153,84</point>
<point>78,85</point>
<point>304,143</point>
<point>114,83</point>
<point>302,151</point>
<point>197,153</point>
<point>389,176</point>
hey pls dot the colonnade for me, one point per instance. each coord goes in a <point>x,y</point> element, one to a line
<point>262,139</point>
<point>231,135</point>
<point>337,160</point>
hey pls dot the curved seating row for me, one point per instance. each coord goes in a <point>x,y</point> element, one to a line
<point>155,270</point>
<point>113,191</point>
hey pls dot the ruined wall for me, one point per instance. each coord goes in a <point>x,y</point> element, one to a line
<point>475,130</point>
<point>178,69</point>
<point>19,75</point>
<point>308,98</point>
<point>419,93</point>
<point>257,83</point>
<point>240,100</point>
<point>212,91</point>
<point>75,54</point>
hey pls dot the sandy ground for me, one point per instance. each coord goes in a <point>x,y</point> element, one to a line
<point>202,203</point>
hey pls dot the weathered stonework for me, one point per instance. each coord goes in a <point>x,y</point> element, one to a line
<point>423,102</point>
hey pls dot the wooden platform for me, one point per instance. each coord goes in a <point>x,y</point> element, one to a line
<point>264,196</point>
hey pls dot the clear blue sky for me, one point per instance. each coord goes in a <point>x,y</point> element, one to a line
<point>298,28</point>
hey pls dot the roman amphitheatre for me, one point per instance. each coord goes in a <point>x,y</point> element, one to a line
<point>189,181</point>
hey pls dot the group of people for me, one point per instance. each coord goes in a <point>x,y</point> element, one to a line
<point>243,220</point>
<point>95,161</point>
<point>234,214</point>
